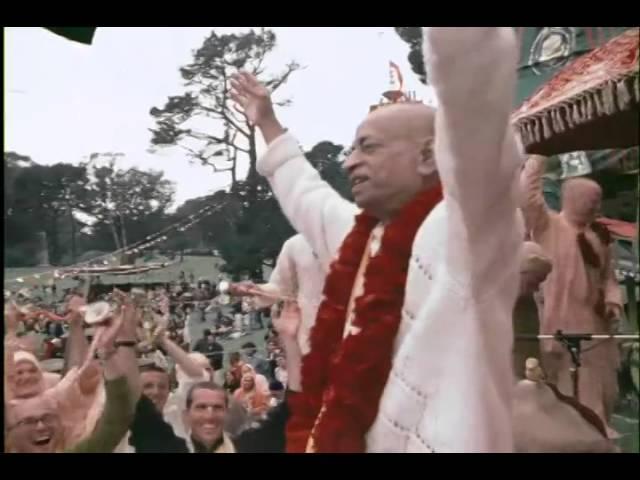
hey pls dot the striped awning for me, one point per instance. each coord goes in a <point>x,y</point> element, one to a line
<point>591,104</point>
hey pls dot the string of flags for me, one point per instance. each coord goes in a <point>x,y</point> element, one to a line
<point>84,268</point>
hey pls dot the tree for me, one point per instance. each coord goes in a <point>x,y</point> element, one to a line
<point>42,198</point>
<point>202,121</point>
<point>326,158</point>
<point>250,235</point>
<point>120,197</point>
<point>413,37</point>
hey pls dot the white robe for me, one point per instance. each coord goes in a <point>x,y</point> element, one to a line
<point>298,273</point>
<point>451,384</point>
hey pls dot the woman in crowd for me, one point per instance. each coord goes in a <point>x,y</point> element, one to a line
<point>261,382</point>
<point>76,395</point>
<point>254,401</point>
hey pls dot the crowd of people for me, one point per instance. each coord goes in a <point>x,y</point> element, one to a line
<point>167,369</point>
<point>395,320</point>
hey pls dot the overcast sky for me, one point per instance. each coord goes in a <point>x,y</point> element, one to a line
<point>65,100</point>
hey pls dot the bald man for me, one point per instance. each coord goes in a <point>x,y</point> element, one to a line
<point>581,295</point>
<point>411,349</point>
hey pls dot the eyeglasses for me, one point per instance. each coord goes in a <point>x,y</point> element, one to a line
<point>48,419</point>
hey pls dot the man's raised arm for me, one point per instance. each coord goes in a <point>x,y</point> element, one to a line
<point>534,207</point>
<point>473,72</point>
<point>314,209</point>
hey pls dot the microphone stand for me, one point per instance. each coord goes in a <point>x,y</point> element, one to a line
<point>573,344</point>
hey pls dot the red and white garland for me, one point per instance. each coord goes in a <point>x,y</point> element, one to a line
<point>343,379</point>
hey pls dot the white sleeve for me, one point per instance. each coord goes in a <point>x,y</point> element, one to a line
<point>473,73</point>
<point>284,278</point>
<point>314,209</point>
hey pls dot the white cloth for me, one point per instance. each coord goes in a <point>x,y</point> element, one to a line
<point>186,333</point>
<point>451,384</point>
<point>298,273</point>
<point>282,376</point>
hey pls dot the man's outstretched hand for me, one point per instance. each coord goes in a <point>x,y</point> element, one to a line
<point>254,100</point>
<point>288,323</point>
<point>242,289</point>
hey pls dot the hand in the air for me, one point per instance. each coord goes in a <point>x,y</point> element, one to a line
<point>89,378</point>
<point>11,318</point>
<point>158,336</point>
<point>130,318</point>
<point>253,98</point>
<point>74,307</point>
<point>242,289</point>
<point>288,323</point>
<point>107,332</point>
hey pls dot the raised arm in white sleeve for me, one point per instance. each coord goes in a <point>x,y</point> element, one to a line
<point>312,206</point>
<point>473,73</point>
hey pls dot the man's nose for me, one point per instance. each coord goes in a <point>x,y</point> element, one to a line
<point>352,161</point>
<point>40,425</point>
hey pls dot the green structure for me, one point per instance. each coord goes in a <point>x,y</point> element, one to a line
<point>77,34</point>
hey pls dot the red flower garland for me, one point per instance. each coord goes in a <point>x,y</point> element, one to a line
<point>347,376</point>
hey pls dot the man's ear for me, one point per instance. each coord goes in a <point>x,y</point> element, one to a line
<point>427,164</point>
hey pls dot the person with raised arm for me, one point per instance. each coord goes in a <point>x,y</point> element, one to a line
<point>411,348</point>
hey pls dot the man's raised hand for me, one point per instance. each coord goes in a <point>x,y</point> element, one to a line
<point>252,98</point>
<point>288,323</point>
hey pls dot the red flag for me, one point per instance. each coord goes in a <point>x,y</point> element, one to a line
<point>398,75</point>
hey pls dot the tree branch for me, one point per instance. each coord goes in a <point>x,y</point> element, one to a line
<point>222,112</point>
<point>204,136</point>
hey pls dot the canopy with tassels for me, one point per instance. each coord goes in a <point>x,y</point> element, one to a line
<point>590,104</point>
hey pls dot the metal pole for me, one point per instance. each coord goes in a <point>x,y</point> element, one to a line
<point>591,336</point>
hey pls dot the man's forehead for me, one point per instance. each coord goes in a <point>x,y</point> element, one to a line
<point>396,119</point>
<point>208,397</point>
<point>31,407</point>
<point>153,375</point>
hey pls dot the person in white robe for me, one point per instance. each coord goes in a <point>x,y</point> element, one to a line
<point>449,385</point>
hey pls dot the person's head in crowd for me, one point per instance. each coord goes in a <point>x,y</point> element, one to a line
<point>248,383</point>
<point>230,380</point>
<point>247,369</point>
<point>272,347</point>
<point>249,349</point>
<point>27,378</point>
<point>280,362</point>
<point>206,408</point>
<point>235,359</point>
<point>392,158</point>
<point>210,336</point>
<point>581,200</point>
<point>155,384</point>
<point>202,361</point>
<point>33,426</point>
<point>276,388</point>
